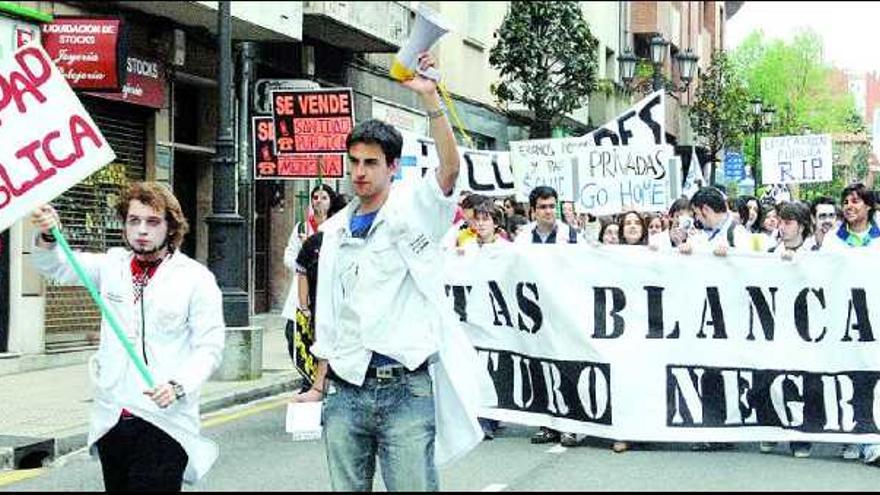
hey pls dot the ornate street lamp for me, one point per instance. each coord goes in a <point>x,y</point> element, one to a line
<point>762,119</point>
<point>659,46</point>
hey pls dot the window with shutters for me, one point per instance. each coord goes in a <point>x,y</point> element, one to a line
<point>89,219</point>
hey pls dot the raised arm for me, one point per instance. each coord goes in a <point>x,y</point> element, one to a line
<point>441,131</point>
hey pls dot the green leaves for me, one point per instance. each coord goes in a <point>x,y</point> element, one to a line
<point>546,56</point>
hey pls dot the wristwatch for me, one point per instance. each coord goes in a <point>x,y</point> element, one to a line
<point>179,393</point>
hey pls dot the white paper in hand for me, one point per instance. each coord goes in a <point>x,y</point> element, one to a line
<point>304,420</point>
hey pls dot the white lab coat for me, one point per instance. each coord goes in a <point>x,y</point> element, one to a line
<point>184,328</point>
<point>460,384</point>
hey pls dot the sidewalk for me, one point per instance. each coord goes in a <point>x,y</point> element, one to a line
<point>55,403</point>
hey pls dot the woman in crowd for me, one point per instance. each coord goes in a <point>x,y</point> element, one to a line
<point>633,229</point>
<point>609,233</point>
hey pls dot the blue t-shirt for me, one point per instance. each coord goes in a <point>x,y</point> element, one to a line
<point>360,226</point>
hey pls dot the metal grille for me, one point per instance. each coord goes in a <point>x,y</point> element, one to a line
<point>88,216</point>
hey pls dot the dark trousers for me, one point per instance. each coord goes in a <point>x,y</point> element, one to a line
<point>137,456</point>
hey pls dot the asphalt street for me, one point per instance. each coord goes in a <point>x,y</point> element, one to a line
<point>257,455</point>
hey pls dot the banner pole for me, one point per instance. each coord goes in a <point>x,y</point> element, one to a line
<point>105,311</point>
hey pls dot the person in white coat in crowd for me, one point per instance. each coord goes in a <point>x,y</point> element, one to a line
<point>171,310</point>
<point>404,383</point>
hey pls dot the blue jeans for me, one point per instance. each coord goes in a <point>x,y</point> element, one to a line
<point>392,418</point>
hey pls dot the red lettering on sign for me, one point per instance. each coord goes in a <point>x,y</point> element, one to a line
<point>78,130</point>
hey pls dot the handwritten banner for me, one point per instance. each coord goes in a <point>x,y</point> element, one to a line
<point>557,162</point>
<point>796,159</point>
<point>50,141</point>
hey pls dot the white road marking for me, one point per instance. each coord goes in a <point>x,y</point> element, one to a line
<point>495,487</point>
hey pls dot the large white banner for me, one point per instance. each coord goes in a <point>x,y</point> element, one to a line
<point>796,159</point>
<point>482,171</point>
<point>626,343</point>
<point>48,142</point>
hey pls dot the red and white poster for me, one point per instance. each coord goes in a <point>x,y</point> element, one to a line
<point>313,124</point>
<point>145,83</point>
<point>50,142</point>
<point>87,51</point>
<point>269,165</point>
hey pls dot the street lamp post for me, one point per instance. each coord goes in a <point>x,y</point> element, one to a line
<point>687,61</point>
<point>226,232</point>
<point>762,118</point>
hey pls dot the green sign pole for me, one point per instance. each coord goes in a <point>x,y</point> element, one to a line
<point>105,311</point>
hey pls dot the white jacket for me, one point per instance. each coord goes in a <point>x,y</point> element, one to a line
<point>460,383</point>
<point>184,328</point>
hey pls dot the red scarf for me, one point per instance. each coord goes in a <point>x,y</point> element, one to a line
<point>141,273</point>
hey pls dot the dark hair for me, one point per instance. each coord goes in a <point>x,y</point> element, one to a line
<point>541,192</point>
<point>159,197</point>
<point>375,131</point>
<point>489,207</point>
<point>643,240</point>
<point>604,223</point>
<point>711,197</point>
<point>472,200</point>
<point>823,200</point>
<point>861,191</point>
<point>514,222</point>
<point>679,205</point>
<point>742,207</point>
<point>795,210</point>
<point>337,201</point>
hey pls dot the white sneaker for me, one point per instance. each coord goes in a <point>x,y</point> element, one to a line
<point>850,452</point>
<point>767,447</point>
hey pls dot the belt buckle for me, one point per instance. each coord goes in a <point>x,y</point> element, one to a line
<point>384,373</point>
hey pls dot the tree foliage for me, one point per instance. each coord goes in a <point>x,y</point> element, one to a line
<point>718,112</point>
<point>807,93</point>
<point>546,55</point>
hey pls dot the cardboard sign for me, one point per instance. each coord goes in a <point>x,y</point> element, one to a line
<point>87,51</point>
<point>312,121</point>
<point>50,141</point>
<point>268,165</point>
<point>796,159</point>
<point>311,127</point>
<point>555,162</point>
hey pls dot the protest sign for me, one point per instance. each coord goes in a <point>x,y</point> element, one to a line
<point>555,162</point>
<point>269,165</point>
<point>50,141</point>
<point>574,346</point>
<point>796,159</point>
<point>312,126</point>
<point>481,171</point>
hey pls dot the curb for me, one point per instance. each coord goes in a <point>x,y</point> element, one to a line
<point>67,443</point>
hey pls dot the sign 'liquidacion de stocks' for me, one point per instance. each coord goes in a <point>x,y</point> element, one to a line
<point>87,51</point>
<point>50,141</point>
<point>312,125</point>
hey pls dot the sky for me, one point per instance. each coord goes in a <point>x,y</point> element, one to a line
<point>849,30</point>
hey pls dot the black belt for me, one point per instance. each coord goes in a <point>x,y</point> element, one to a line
<point>391,371</point>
